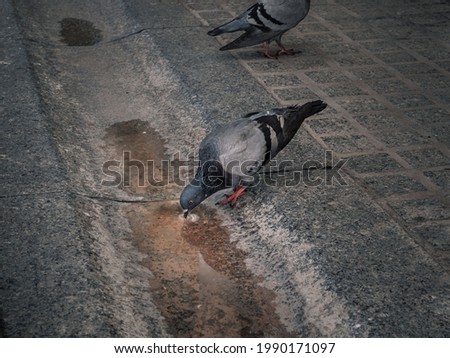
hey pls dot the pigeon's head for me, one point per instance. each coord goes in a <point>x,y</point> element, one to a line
<point>192,195</point>
<point>208,180</point>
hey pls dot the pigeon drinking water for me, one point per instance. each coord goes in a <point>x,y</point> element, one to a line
<point>232,155</point>
<point>265,21</point>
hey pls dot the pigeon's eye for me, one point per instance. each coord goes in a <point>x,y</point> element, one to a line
<point>190,202</point>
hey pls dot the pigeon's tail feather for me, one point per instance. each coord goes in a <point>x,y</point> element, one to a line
<point>311,108</point>
<point>301,112</point>
<point>296,115</point>
<point>253,36</point>
<point>237,24</point>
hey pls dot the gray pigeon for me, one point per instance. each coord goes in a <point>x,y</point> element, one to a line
<point>263,22</point>
<point>232,155</point>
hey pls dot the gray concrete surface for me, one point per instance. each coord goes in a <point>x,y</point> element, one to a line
<point>368,258</point>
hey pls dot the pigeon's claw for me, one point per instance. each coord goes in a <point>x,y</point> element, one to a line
<point>286,51</point>
<point>232,198</point>
<point>267,52</point>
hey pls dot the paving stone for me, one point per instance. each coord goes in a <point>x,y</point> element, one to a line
<point>215,18</point>
<point>329,124</point>
<point>299,94</point>
<point>361,104</point>
<point>436,54</point>
<point>383,22</point>
<point>373,163</point>
<point>353,59</point>
<point>418,43</point>
<point>393,184</point>
<point>378,121</point>
<point>267,66</point>
<point>367,12</point>
<point>235,6</point>
<point>371,73</point>
<point>365,35</point>
<point>409,100</point>
<point>395,57</point>
<point>440,131</point>
<point>436,236</point>
<point>301,45</point>
<point>426,19</point>
<point>343,89</point>
<point>313,27</point>
<point>308,62</point>
<point>280,80</point>
<point>408,69</point>
<point>203,6</point>
<point>303,49</point>
<point>249,54</point>
<point>321,38</point>
<point>401,138</point>
<point>388,85</point>
<point>416,211</point>
<point>442,95</point>
<point>440,177</point>
<point>431,80</point>
<point>378,46</point>
<point>445,65</point>
<point>425,158</point>
<point>332,12</point>
<point>402,31</point>
<point>429,115</point>
<point>339,48</point>
<point>326,76</point>
<point>347,22</point>
<point>349,143</point>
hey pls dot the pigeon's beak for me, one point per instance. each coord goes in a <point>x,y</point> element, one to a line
<point>186,212</point>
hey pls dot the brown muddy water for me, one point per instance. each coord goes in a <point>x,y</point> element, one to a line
<point>201,284</point>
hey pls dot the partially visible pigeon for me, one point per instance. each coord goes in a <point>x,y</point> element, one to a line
<point>230,156</point>
<point>263,22</point>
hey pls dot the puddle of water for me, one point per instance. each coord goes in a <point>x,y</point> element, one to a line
<point>144,146</point>
<point>78,32</point>
<point>201,284</point>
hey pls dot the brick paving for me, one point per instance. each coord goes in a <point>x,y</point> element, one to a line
<point>383,67</point>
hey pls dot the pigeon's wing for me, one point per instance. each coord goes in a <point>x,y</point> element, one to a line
<point>257,137</point>
<point>282,15</point>
<point>240,147</point>
<point>253,36</point>
<point>240,23</point>
<point>277,15</point>
<point>264,21</point>
<point>262,27</point>
<point>279,125</point>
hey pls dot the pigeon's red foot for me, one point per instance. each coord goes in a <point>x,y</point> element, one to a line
<point>286,51</point>
<point>267,52</point>
<point>283,51</point>
<point>232,198</point>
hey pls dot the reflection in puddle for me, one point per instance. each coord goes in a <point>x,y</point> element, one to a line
<point>77,32</point>
<point>201,284</point>
<point>141,154</point>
